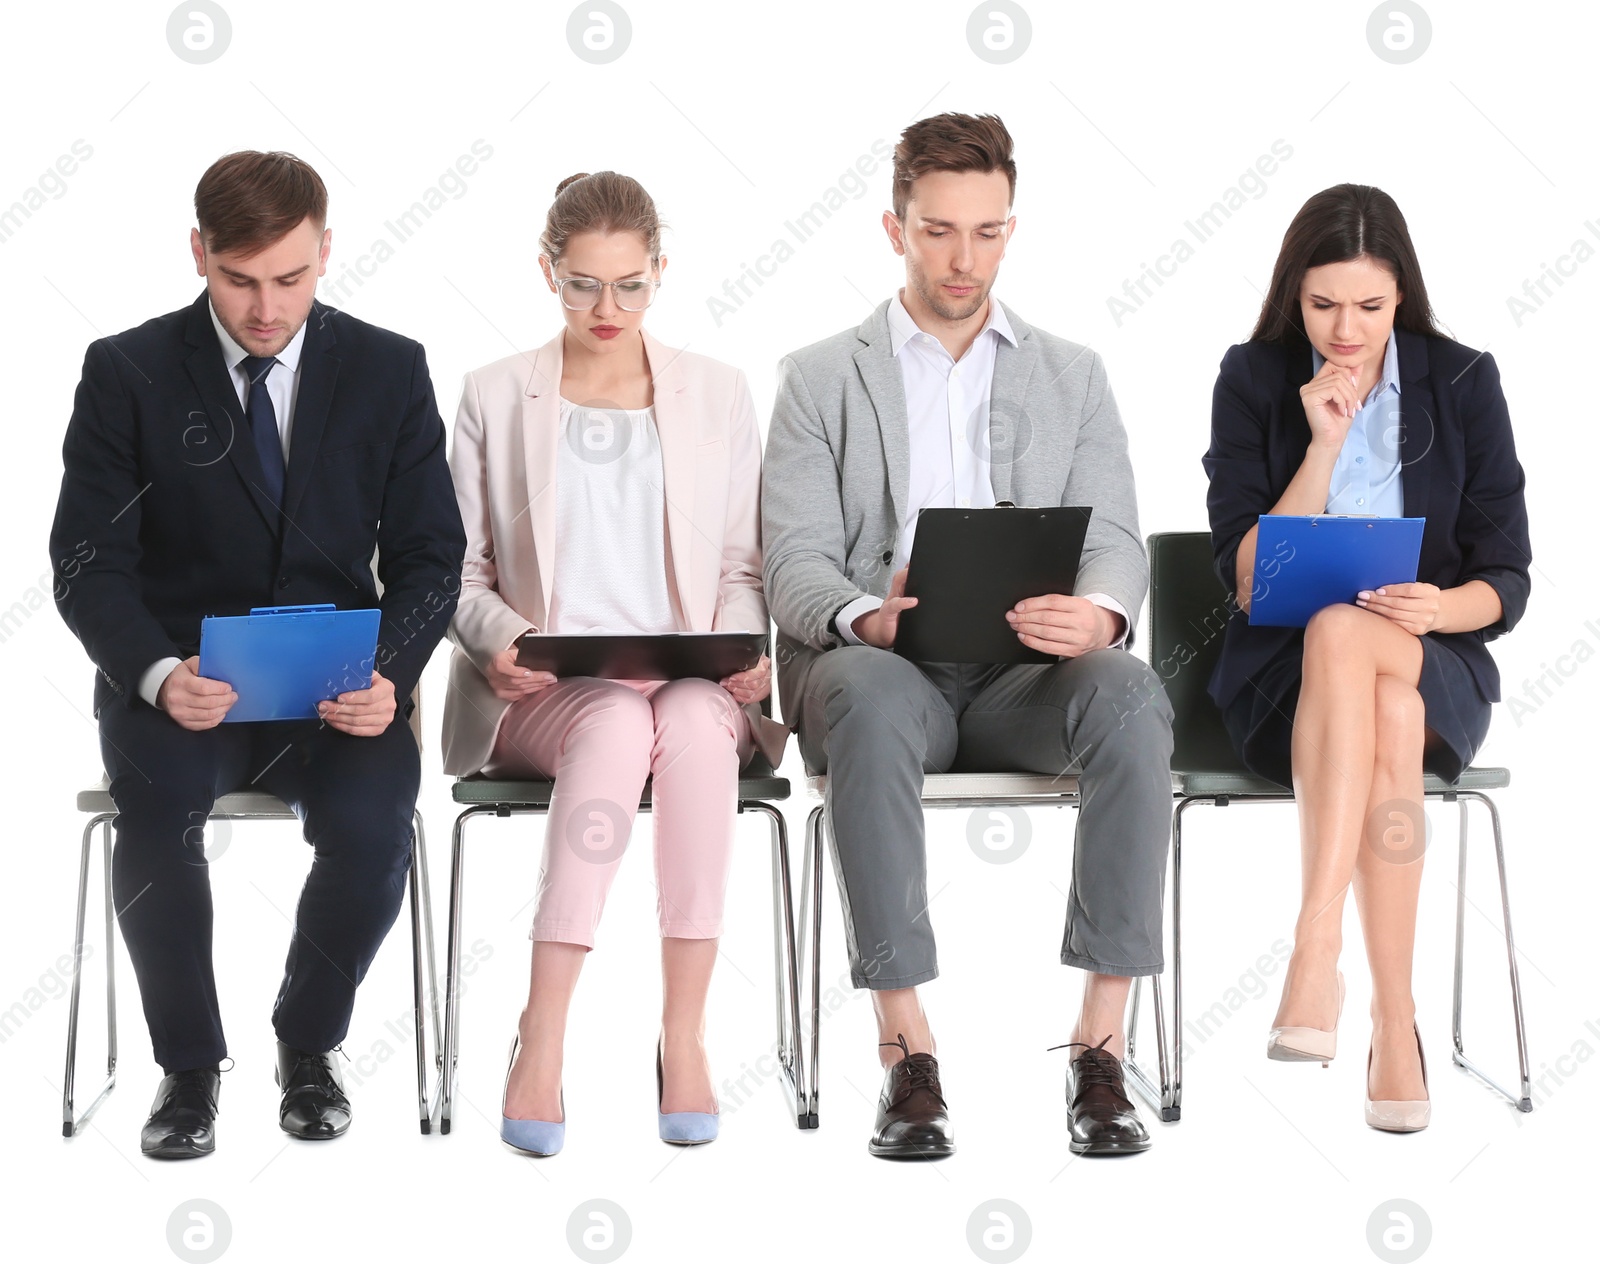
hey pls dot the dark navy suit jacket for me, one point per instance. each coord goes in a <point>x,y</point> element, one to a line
<point>163,518</point>
<point>1459,471</point>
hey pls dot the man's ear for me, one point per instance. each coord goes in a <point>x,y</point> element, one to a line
<point>896,231</point>
<point>197,247</point>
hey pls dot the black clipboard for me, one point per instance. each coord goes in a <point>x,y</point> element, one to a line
<point>969,566</point>
<point>669,656</point>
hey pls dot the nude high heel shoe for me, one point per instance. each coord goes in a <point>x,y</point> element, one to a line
<point>1306,1044</point>
<point>1400,1116</point>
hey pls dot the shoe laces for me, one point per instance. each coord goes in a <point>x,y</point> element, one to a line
<point>196,1079</point>
<point>1094,1066</point>
<point>921,1073</point>
<point>321,1075</point>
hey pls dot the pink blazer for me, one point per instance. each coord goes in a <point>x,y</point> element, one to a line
<point>504,462</point>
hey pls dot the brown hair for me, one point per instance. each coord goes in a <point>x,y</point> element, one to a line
<point>605,202</point>
<point>951,142</point>
<point>1346,222</point>
<point>248,200</point>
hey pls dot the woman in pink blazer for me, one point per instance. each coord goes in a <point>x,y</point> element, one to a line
<point>609,483</point>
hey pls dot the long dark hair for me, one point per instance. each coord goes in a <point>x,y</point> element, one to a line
<point>1334,226</point>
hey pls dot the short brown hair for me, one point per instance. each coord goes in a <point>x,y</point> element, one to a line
<point>604,202</point>
<point>248,200</point>
<point>951,142</point>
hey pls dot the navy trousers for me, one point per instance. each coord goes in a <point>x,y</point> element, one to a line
<point>354,797</point>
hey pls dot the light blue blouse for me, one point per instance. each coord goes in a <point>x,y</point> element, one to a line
<point>1366,477</point>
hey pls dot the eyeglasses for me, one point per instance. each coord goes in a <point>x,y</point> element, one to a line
<point>579,294</point>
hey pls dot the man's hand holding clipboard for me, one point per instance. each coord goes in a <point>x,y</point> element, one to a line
<point>1056,623</point>
<point>880,627</point>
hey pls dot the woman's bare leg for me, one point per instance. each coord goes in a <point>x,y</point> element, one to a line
<point>533,1090</point>
<point>1347,650</point>
<point>686,966</point>
<point>1388,877</point>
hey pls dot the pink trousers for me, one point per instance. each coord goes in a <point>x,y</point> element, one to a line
<point>599,740</point>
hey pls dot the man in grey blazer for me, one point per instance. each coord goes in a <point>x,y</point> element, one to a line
<point>945,397</point>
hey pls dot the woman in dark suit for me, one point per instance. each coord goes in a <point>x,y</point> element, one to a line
<point>1347,399</point>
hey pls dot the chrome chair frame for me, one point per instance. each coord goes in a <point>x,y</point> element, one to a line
<point>531,797</point>
<point>239,805</point>
<point>943,790</point>
<point>1221,790</point>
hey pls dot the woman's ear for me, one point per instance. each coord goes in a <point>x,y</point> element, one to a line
<point>549,276</point>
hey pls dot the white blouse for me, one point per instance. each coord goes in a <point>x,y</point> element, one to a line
<point>611,524</point>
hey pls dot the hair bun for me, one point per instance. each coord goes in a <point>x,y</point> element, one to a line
<point>582,175</point>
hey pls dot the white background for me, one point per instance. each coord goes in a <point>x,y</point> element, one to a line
<point>1128,120</point>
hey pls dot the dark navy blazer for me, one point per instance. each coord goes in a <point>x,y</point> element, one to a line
<point>163,518</point>
<point>1459,471</point>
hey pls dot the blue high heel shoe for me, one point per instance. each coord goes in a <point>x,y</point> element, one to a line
<point>531,1136</point>
<point>683,1127</point>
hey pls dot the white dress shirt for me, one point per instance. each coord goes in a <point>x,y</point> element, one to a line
<point>947,420</point>
<point>283,384</point>
<point>610,570</point>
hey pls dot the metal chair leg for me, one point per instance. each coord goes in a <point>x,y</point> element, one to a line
<point>1524,1102</point>
<point>1170,1114</point>
<point>417,1000</point>
<point>425,887</point>
<point>1163,1099</point>
<point>786,963</point>
<point>1172,1094</point>
<point>811,932</point>
<point>70,1123</point>
<point>452,1009</point>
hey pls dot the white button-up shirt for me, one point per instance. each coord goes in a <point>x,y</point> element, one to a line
<point>947,420</point>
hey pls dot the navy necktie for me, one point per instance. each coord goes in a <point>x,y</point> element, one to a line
<point>263,421</point>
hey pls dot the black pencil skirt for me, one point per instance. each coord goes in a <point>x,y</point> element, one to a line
<point>1260,718</point>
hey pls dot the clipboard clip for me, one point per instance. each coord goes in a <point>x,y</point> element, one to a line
<point>321,607</point>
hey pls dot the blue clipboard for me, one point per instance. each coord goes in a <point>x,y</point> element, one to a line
<point>283,660</point>
<point>1306,563</point>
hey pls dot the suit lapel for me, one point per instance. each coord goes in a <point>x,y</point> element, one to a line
<point>540,431</point>
<point>880,374</point>
<point>1010,421</point>
<point>319,369</point>
<point>228,431</point>
<point>1417,439</point>
<point>1292,412</point>
<point>679,435</point>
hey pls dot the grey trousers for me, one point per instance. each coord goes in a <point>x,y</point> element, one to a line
<point>876,722</point>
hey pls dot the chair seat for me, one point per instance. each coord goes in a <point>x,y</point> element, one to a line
<point>941,786</point>
<point>1245,785</point>
<point>240,803</point>
<point>758,780</point>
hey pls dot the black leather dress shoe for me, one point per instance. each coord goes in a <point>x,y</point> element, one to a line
<point>1100,1118</point>
<point>314,1107</point>
<point>913,1122</point>
<point>181,1123</point>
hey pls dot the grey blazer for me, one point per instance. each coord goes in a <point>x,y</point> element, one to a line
<point>836,478</point>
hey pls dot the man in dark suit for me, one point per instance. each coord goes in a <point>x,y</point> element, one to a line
<point>254,449</point>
